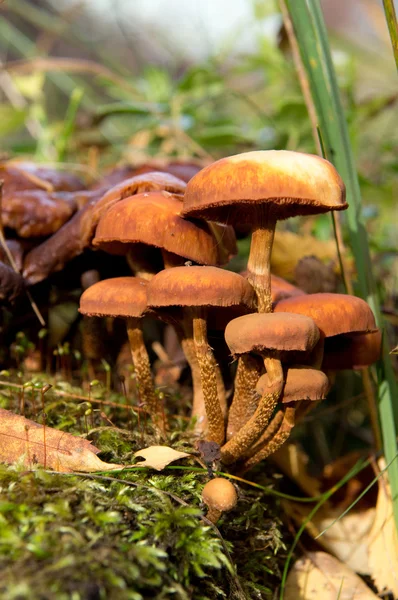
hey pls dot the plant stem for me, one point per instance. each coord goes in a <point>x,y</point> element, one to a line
<point>391,18</point>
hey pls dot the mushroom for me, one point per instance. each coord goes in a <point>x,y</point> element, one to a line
<point>198,294</point>
<point>126,297</point>
<point>341,319</point>
<point>77,234</point>
<point>220,496</point>
<point>302,386</point>
<point>275,337</point>
<point>21,175</point>
<point>249,368</point>
<point>260,188</point>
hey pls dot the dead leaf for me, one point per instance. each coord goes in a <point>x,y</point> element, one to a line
<point>383,541</point>
<point>158,457</point>
<point>320,575</point>
<point>394,350</point>
<point>293,462</point>
<point>346,538</point>
<point>22,439</point>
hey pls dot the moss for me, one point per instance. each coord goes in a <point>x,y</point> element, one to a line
<point>132,535</point>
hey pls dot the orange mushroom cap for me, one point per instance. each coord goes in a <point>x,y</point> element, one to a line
<point>334,314</point>
<point>154,218</point>
<point>117,297</point>
<point>301,384</point>
<point>271,332</point>
<point>219,494</point>
<point>287,183</point>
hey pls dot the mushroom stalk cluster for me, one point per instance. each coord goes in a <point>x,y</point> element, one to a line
<point>176,240</point>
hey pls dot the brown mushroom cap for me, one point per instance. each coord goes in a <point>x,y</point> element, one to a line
<point>334,314</point>
<point>153,218</point>
<point>118,297</point>
<point>352,351</point>
<point>77,234</point>
<point>271,332</point>
<point>288,183</point>
<point>200,286</point>
<point>301,384</point>
<point>29,176</point>
<point>219,494</point>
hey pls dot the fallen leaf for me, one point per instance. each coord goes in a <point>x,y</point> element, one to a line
<point>383,541</point>
<point>293,462</point>
<point>158,457</point>
<point>394,350</point>
<point>320,575</point>
<point>22,439</point>
<point>346,538</point>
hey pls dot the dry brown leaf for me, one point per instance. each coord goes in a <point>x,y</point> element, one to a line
<point>22,439</point>
<point>293,462</point>
<point>158,457</point>
<point>383,541</point>
<point>289,248</point>
<point>346,538</point>
<point>320,576</point>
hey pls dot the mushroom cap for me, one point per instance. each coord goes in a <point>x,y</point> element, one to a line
<point>154,218</point>
<point>271,332</point>
<point>24,175</point>
<point>334,314</point>
<point>352,351</point>
<point>144,182</point>
<point>200,287</point>
<point>302,383</point>
<point>117,297</point>
<point>288,183</point>
<point>220,494</point>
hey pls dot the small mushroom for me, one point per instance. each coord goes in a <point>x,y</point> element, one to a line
<point>220,496</point>
<point>273,336</point>
<point>302,386</point>
<point>200,294</point>
<point>126,297</point>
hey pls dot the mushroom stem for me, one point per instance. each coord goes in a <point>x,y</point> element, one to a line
<point>213,514</point>
<point>259,263</point>
<point>271,446</point>
<point>208,367</point>
<point>172,260</point>
<point>140,266</point>
<point>198,403</point>
<point>236,447</point>
<point>245,400</point>
<point>269,433</point>
<point>142,367</point>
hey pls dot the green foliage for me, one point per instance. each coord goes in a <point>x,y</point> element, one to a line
<point>135,535</point>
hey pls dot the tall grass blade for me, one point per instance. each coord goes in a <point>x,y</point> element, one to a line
<point>310,31</point>
<point>391,18</point>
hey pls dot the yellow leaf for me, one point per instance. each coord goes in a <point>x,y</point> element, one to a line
<point>320,576</point>
<point>383,541</point>
<point>158,457</point>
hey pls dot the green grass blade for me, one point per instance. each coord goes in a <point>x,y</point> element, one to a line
<point>310,31</point>
<point>391,18</point>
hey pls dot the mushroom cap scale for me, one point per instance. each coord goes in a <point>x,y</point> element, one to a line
<point>219,494</point>
<point>287,183</point>
<point>117,297</point>
<point>301,384</point>
<point>154,218</point>
<point>271,332</point>
<point>200,287</point>
<point>334,314</point>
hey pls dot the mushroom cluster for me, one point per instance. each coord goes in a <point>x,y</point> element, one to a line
<point>173,231</point>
